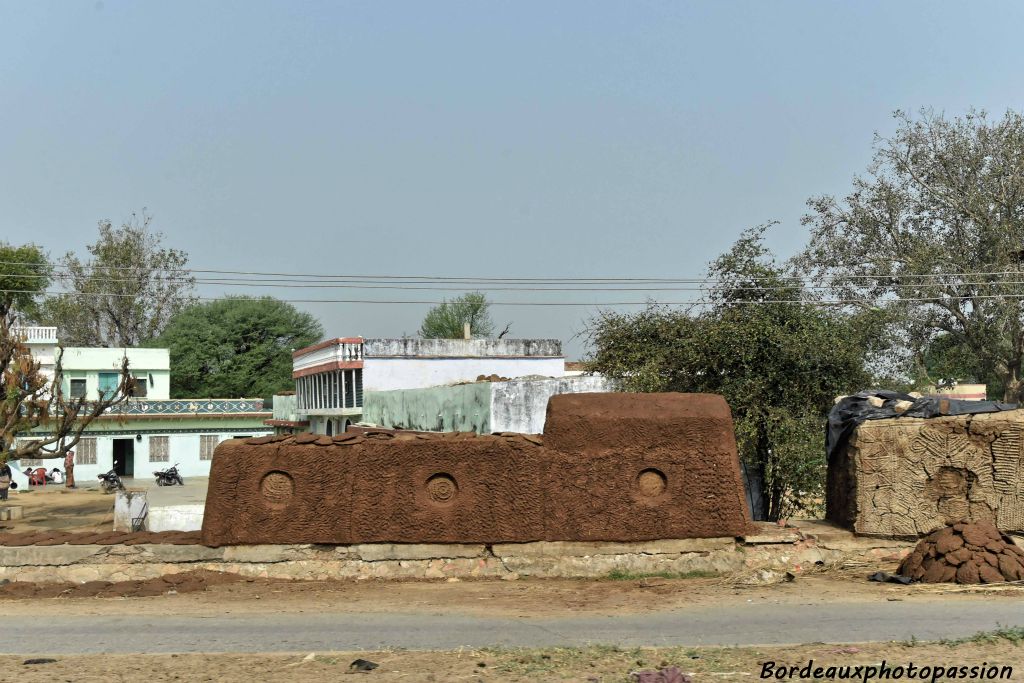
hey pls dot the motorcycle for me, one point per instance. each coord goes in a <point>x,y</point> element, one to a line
<point>110,481</point>
<point>169,477</point>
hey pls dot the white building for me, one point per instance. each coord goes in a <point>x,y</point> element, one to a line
<point>150,431</point>
<point>332,376</point>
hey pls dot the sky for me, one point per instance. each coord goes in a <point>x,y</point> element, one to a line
<point>467,139</point>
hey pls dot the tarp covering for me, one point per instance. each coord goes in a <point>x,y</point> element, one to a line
<point>850,411</point>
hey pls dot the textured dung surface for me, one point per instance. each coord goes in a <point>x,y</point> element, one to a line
<point>910,476</point>
<point>965,552</point>
<point>185,582</point>
<point>610,467</point>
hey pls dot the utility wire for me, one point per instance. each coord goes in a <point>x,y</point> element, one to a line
<point>810,302</point>
<point>705,285</point>
<point>515,280</point>
<point>246,282</point>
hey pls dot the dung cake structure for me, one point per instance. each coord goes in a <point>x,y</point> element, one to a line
<point>910,476</point>
<point>610,467</point>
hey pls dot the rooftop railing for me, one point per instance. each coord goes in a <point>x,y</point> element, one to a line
<point>33,334</point>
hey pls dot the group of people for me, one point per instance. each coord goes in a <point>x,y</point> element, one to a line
<point>67,477</point>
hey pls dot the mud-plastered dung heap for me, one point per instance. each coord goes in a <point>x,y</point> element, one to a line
<point>610,467</point>
<point>910,476</point>
<point>966,552</point>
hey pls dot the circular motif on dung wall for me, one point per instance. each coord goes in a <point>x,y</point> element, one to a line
<point>651,482</point>
<point>442,489</point>
<point>277,488</point>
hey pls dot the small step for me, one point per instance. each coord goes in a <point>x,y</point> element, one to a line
<point>9,512</point>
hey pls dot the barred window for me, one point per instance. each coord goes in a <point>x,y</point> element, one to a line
<point>159,449</point>
<point>207,445</point>
<point>85,451</point>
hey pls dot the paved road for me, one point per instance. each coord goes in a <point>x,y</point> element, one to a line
<point>751,625</point>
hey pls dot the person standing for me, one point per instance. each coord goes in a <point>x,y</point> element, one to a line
<point>69,470</point>
<point>5,480</point>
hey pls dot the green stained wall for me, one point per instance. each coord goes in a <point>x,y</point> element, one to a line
<point>460,408</point>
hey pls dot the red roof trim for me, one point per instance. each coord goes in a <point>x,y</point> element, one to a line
<point>328,367</point>
<point>327,343</point>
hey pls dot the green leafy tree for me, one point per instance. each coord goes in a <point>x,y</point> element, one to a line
<point>24,275</point>
<point>126,293</point>
<point>933,235</point>
<point>447,320</point>
<point>236,347</point>
<point>779,359</point>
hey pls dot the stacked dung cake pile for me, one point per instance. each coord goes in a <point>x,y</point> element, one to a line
<point>965,552</point>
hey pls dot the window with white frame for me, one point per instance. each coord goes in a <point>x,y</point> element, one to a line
<point>85,451</point>
<point>207,445</point>
<point>159,449</point>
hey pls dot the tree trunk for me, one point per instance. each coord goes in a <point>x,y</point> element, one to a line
<point>771,493</point>
<point>1012,384</point>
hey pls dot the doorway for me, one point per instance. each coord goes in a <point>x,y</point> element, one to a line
<point>124,457</point>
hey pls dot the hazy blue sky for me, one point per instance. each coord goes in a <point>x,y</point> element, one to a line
<point>518,139</point>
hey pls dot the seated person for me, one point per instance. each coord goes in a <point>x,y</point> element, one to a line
<point>56,476</point>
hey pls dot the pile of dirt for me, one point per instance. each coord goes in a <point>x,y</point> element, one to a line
<point>186,582</point>
<point>965,552</point>
<point>46,537</point>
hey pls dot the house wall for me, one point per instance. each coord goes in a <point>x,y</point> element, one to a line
<point>461,408</point>
<point>184,446</point>
<point>482,407</point>
<point>415,363</point>
<point>386,374</point>
<point>521,405</point>
<point>87,363</point>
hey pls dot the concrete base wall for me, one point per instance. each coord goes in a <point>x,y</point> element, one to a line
<point>789,552</point>
<point>175,518</point>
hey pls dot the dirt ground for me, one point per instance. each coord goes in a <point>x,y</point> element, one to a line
<point>60,509</point>
<point>207,593</point>
<point>590,665</point>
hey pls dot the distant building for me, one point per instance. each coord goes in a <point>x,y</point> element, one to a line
<point>963,392</point>
<point>148,432</point>
<point>332,377</point>
<point>513,405</point>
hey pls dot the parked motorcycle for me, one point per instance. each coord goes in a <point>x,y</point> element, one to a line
<point>169,477</point>
<point>110,481</point>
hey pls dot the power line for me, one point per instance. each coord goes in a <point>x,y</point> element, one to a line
<point>514,280</point>
<point>246,282</point>
<point>708,285</point>
<point>699,302</point>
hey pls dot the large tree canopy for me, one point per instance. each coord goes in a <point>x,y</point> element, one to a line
<point>762,342</point>
<point>126,293</point>
<point>236,347</point>
<point>448,319</point>
<point>24,276</point>
<point>934,235</point>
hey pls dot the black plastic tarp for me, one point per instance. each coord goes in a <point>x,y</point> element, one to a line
<point>850,411</point>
